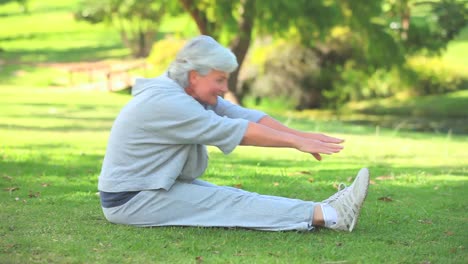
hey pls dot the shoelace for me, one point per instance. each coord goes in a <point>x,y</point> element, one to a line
<point>342,188</point>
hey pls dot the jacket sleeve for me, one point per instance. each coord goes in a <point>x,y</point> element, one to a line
<point>177,118</point>
<point>226,108</point>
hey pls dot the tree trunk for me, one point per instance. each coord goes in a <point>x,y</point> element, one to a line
<point>405,20</point>
<point>240,46</point>
<point>204,25</point>
<point>141,44</point>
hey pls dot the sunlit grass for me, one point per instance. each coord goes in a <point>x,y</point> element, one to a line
<point>49,33</point>
<point>456,54</point>
<point>51,149</point>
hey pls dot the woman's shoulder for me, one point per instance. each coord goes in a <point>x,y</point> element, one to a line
<point>158,84</point>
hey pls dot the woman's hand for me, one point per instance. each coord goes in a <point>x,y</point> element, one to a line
<point>279,135</point>
<point>322,137</point>
<point>328,146</point>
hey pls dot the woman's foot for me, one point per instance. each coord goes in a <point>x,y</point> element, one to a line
<point>348,201</point>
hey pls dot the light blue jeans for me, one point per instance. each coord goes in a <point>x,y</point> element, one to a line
<point>207,205</point>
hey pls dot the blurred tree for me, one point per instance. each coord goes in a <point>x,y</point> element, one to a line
<point>342,35</point>
<point>360,45</point>
<point>423,25</point>
<point>234,22</point>
<point>371,34</point>
<point>137,20</point>
<point>22,3</point>
<point>361,35</point>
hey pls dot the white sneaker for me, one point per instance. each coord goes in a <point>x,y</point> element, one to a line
<point>348,201</point>
<point>341,190</point>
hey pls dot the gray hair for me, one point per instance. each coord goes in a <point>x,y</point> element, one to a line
<point>202,54</point>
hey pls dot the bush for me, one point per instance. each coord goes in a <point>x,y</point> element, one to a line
<point>421,76</point>
<point>305,75</point>
<point>332,74</point>
<point>354,84</point>
<point>163,52</point>
<point>288,70</point>
<point>432,76</point>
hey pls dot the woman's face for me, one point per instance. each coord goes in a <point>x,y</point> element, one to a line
<point>206,89</point>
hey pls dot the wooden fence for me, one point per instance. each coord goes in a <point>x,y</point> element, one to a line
<point>117,77</point>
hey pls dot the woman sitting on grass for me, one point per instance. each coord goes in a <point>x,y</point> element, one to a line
<point>157,152</point>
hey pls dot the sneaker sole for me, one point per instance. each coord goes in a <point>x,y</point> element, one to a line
<point>367,174</point>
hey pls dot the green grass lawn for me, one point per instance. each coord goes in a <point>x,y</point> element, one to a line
<point>53,141</point>
<point>51,34</point>
<point>457,52</point>
<point>30,44</point>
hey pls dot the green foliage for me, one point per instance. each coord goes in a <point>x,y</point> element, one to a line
<point>421,76</point>
<point>343,52</point>
<point>92,11</point>
<point>217,18</point>
<point>330,77</point>
<point>332,73</point>
<point>373,35</point>
<point>364,58</point>
<point>163,52</point>
<point>427,26</point>
<point>432,76</point>
<point>137,21</point>
<point>353,84</point>
<point>343,37</point>
<point>288,70</point>
<point>312,19</point>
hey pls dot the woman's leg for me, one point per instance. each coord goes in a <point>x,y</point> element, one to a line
<point>204,204</point>
<point>209,184</point>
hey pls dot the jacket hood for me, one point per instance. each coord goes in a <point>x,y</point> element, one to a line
<point>144,84</point>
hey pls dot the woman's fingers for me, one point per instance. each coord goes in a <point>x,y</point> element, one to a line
<point>325,138</point>
<point>317,156</point>
<point>334,148</point>
<point>323,147</point>
<point>316,147</point>
<point>319,147</point>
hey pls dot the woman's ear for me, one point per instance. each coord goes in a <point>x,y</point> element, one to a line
<point>193,77</point>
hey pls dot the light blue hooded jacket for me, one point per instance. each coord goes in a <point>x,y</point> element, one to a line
<point>160,136</point>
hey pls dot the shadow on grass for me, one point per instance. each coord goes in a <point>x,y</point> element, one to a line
<point>78,167</point>
<point>61,117</point>
<point>37,10</point>
<point>422,216</point>
<point>78,173</point>
<point>74,174</point>
<point>53,124</point>
<point>91,106</point>
<point>42,165</point>
<point>439,106</point>
<point>367,124</point>
<point>31,36</point>
<point>52,54</point>
<point>65,128</point>
<point>111,118</point>
<point>414,124</point>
